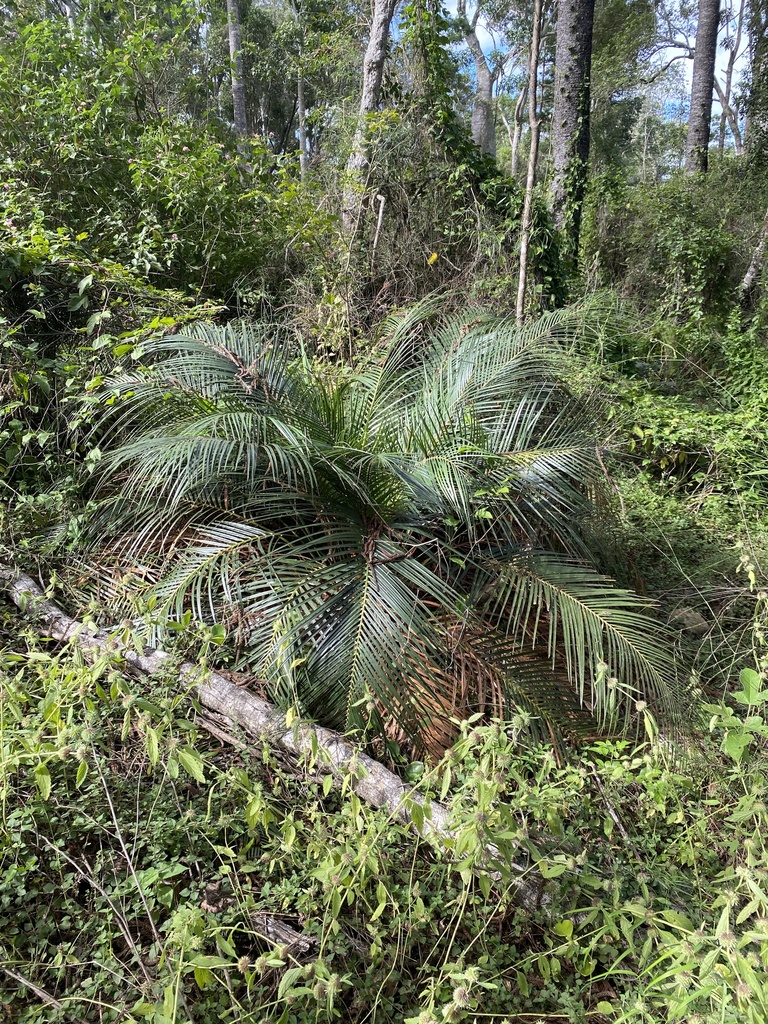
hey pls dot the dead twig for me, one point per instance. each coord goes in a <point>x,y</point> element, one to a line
<point>42,995</point>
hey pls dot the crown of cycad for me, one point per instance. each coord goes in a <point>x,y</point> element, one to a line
<point>391,545</point>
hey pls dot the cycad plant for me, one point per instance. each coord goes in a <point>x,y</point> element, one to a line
<point>395,544</point>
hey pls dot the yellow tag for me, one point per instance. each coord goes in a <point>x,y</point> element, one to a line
<point>432,259</point>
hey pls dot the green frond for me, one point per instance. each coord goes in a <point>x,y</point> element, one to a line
<point>377,533</point>
<point>614,652</point>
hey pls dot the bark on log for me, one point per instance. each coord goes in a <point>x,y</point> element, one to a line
<point>235,707</point>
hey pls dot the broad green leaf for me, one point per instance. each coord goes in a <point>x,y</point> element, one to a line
<point>551,870</point>
<point>153,751</point>
<point>750,683</point>
<point>203,977</point>
<point>43,780</point>
<point>192,763</point>
<point>735,743</point>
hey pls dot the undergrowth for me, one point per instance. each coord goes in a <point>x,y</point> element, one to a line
<point>149,873</point>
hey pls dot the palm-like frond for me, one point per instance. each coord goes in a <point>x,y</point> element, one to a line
<point>407,539</point>
<point>601,632</point>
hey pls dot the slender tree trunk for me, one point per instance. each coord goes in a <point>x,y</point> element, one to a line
<point>728,115</point>
<point>510,133</point>
<point>373,71</point>
<point>519,112</point>
<point>702,85</point>
<point>570,118</point>
<point>513,134</point>
<point>533,118</point>
<point>756,128</point>
<point>236,59</point>
<point>755,266</point>
<point>483,126</point>
<point>302,114</point>
<point>301,105</point>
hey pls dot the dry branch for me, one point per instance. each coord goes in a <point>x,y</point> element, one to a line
<point>235,708</point>
<point>42,995</point>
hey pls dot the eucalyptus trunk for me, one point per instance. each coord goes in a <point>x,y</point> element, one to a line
<point>752,275</point>
<point>483,121</point>
<point>728,115</point>
<point>358,163</point>
<point>702,87</point>
<point>533,119</point>
<point>570,118</point>
<point>302,115</point>
<point>236,63</point>
<point>756,129</point>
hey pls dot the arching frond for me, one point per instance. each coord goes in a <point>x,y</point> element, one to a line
<point>602,632</point>
<point>406,538</point>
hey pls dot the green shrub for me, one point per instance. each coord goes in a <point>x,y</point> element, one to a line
<point>677,248</point>
<point>99,154</point>
<point>145,871</point>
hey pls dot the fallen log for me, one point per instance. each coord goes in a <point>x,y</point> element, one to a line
<point>236,708</point>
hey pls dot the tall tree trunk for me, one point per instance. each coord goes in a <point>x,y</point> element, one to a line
<point>702,86</point>
<point>533,118</point>
<point>302,114</point>
<point>301,105</point>
<point>513,134</point>
<point>483,126</point>
<point>510,135</point>
<point>756,128</point>
<point>728,114</point>
<point>236,59</point>
<point>570,118</point>
<point>519,109</point>
<point>382,12</point>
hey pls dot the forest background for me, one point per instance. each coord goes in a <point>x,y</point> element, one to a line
<point>408,365</point>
